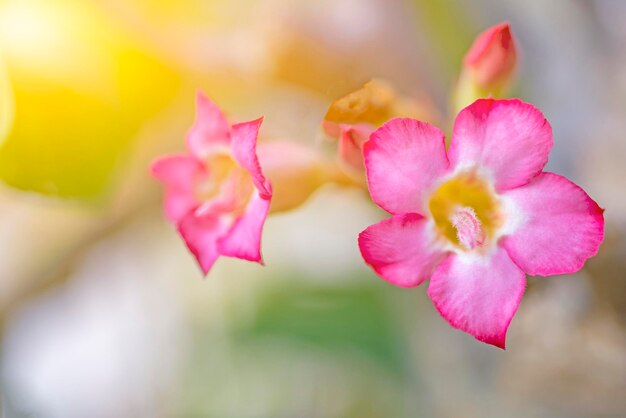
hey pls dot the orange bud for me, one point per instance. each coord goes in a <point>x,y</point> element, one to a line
<point>353,117</point>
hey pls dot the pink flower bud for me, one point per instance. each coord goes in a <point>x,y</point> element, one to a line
<point>492,59</point>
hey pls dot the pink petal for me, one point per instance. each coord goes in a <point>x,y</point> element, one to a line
<point>201,234</point>
<point>401,249</point>
<point>478,295</point>
<point>178,173</point>
<point>243,145</point>
<point>244,239</point>
<point>216,228</point>
<point>509,138</point>
<point>351,138</point>
<point>403,158</point>
<point>210,129</point>
<point>351,143</point>
<point>561,226</point>
<point>178,204</point>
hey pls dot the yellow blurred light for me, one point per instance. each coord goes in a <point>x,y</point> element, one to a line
<point>66,41</point>
<point>82,88</point>
<point>6,104</point>
<point>26,28</point>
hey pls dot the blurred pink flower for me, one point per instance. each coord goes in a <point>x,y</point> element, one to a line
<point>477,218</point>
<point>216,193</point>
<point>352,118</point>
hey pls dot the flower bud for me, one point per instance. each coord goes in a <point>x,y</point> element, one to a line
<point>296,171</point>
<point>352,118</point>
<point>489,66</point>
<point>492,57</point>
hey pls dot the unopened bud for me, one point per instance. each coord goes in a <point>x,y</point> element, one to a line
<point>489,66</point>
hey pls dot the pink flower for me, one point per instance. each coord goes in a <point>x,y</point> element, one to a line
<point>216,193</point>
<point>477,218</point>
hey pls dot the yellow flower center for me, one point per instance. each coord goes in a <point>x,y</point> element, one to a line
<point>226,180</point>
<point>465,211</point>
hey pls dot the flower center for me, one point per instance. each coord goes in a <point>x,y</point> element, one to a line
<point>465,211</point>
<point>226,182</point>
<point>468,229</point>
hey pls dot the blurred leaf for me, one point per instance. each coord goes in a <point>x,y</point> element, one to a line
<point>341,320</point>
<point>446,23</point>
<point>82,91</point>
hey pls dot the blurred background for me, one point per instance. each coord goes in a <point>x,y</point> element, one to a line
<point>105,314</point>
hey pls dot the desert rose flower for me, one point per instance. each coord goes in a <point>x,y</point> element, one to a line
<point>476,218</point>
<point>216,193</point>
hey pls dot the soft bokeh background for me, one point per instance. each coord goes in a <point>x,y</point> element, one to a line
<point>105,314</point>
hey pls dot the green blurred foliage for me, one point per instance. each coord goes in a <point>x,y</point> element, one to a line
<point>343,344</point>
<point>449,29</point>
<point>344,320</point>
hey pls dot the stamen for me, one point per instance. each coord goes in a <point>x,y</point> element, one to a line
<point>468,229</point>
